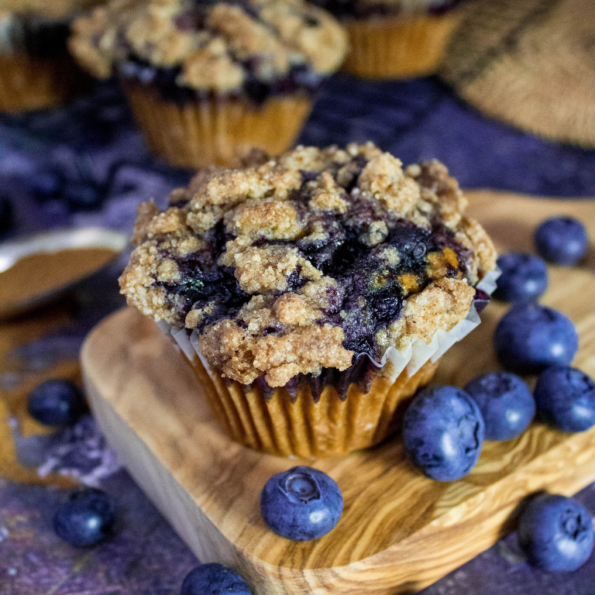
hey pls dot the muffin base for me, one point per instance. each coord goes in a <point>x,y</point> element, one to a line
<point>31,83</point>
<point>398,47</point>
<point>286,425</point>
<point>215,131</point>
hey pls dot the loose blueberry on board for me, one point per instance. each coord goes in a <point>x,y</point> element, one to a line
<point>531,337</point>
<point>86,519</point>
<point>524,277</point>
<point>562,240</point>
<point>56,403</point>
<point>565,399</point>
<point>6,214</point>
<point>301,504</point>
<point>556,533</point>
<point>506,404</point>
<point>214,579</point>
<point>443,432</point>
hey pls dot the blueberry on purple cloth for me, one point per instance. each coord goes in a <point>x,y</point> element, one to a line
<point>506,404</point>
<point>565,399</point>
<point>48,183</point>
<point>562,240</point>
<point>301,504</point>
<point>556,533</point>
<point>56,403</point>
<point>214,579</point>
<point>83,195</point>
<point>524,277</point>
<point>531,337</point>
<point>443,432</point>
<point>86,518</point>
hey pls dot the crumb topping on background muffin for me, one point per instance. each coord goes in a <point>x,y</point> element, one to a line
<point>215,45</point>
<point>50,9</point>
<point>305,261</point>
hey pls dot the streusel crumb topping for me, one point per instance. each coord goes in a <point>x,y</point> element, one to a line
<point>306,260</point>
<point>217,46</point>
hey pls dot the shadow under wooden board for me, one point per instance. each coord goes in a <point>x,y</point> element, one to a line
<point>399,531</point>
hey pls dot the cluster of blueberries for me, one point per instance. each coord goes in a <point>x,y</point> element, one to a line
<point>443,430</point>
<point>89,515</point>
<point>444,427</point>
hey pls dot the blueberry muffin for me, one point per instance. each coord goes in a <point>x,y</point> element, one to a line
<point>312,292</point>
<point>207,80</point>
<point>36,70</point>
<point>395,38</point>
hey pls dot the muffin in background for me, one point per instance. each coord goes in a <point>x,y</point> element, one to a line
<point>394,38</point>
<point>208,81</point>
<point>313,292</point>
<point>36,70</point>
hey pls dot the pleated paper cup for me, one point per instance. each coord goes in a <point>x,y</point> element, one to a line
<point>216,131</point>
<point>311,419</point>
<point>31,83</point>
<point>398,46</point>
<point>287,422</point>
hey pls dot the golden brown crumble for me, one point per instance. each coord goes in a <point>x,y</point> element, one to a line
<point>243,355</point>
<point>266,269</point>
<point>271,220</point>
<point>440,305</point>
<point>254,260</point>
<point>327,195</point>
<point>210,43</point>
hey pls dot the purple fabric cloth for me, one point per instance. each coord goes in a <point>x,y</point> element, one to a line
<point>87,164</point>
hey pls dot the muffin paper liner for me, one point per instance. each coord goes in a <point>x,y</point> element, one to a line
<point>28,83</point>
<point>398,46</point>
<point>216,131</point>
<point>418,353</point>
<point>291,421</point>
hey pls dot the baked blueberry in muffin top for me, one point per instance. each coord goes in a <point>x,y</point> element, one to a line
<point>307,260</point>
<point>257,47</point>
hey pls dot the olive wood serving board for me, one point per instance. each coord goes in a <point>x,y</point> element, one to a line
<point>399,531</point>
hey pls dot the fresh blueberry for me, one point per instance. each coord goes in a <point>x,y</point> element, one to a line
<point>506,404</point>
<point>562,240</point>
<point>523,279</point>
<point>6,214</point>
<point>565,399</point>
<point>83,196</point>
<point>214,579</point>
<point>86,519</point>
<point>443,432</point>
<point>556,533</point>
<point>48,183</point>
<point>530,337</point>
<point>56,403</point>
<point>301,504</point>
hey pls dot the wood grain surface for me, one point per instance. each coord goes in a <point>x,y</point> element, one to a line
<point>399,531</point>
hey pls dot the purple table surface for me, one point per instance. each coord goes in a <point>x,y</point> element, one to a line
<point>87,164</point>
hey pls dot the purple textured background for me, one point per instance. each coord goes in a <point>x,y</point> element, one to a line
<point>94,144</point>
